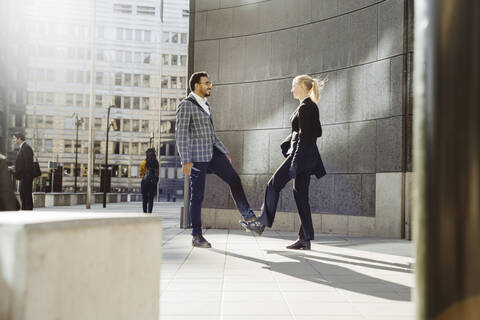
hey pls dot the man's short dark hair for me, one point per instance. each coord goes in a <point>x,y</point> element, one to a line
<point>195,78</point>
<point>20,136</point>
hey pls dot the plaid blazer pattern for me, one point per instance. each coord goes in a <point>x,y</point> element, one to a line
<point>195,132</point>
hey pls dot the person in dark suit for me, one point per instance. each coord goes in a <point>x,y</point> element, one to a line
<point>201,152</point>
<point>302,160</point>
<point>24,171</point>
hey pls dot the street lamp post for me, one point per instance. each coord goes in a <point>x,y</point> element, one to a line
<point>114,125</point>
<point>152,136</point>
<point>78,122</point>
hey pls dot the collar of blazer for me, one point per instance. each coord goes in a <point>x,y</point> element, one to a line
<point>195,102</point>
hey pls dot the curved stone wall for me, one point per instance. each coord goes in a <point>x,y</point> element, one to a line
<point>253,49</point>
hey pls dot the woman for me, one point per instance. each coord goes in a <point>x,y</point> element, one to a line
<point>302,160</point>
<point>149,170</point>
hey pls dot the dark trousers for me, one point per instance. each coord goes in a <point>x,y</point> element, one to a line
<point>223,169</point>
<point>148,194</point>
<point>300,192</point>
<point>26,193</point>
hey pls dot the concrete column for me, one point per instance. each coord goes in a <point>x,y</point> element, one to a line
<point>447,158</point>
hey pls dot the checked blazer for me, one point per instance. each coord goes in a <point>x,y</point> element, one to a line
<point>195,132</point>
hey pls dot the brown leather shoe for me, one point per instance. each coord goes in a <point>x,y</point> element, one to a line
<point>300,245</point>
<point>199,241</point>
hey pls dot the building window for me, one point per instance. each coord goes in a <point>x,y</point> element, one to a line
<point>164,81</point>
<point>185,13</point>
<point>146,58</point>
<point>183,82</point>
<point>48,145</point>
<point>165,59</point>
<point>146,103</point>
<point>128,57</point>
<point>184,37</point>
<point>146,80</point>
<point>118,101</point>
<point>145,126</point>
<point>98,101</point>
<point>138,35</point>
<point>127,79</point>
<point>174,60</point>
<point>174,37</point>
<point>173,103</point>
<point>98,123</point>
<point>126,125</point>
<point>119,34</point>
<point>138,57</point>
<point>136,103</point>
<point>128,34</point>
<point>148,36</point>
<point>79,100</point>
<point>124,169</point>
<point>122,8</point>
<point>99,78</point>
<point>135,125</point>
<point>136,80</point>
<point>166,37</point>
<point>49,98</point>
<point>69,99</point>
<point>118,79</point>
<point>134,147</point>
<point>173,82</point>
<point>126,102</point>
<point>67,146</point>
<point>147,11</point>
<point>164,104</point>
<point>100,55</point>
<point>126,147</point>
<point>119,56</point>
<point>183,60</point>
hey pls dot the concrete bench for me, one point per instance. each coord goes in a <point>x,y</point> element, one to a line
<point>79,266</point>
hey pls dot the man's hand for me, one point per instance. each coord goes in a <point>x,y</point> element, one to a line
<point>187,168</point>
<point>228,158</point>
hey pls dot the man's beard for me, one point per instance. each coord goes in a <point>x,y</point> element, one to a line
<point>207,94</point>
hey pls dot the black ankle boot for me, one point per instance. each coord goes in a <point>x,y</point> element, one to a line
<point>255,226</point>
<point>300,245</point>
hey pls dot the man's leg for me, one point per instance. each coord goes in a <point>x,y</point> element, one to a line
<point>22,194</point>
<point>223,168</point>
<point>27,189</point>
<point>197,190</point>
<point>272,193</point>
<point>300,193</point>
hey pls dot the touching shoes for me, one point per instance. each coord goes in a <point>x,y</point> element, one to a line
<point>255,226</point>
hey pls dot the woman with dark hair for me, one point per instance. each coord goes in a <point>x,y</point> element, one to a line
<point>302,161</point>
<point>149,171</point>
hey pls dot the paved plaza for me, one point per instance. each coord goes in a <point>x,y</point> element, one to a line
<point>249,277</point>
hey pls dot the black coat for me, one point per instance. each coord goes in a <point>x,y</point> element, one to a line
<point>301,144</point>
<point>8,201</point>
<point>24,162</point>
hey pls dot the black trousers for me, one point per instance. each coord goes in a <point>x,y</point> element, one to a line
<point>301,184</point>
<point>26,193</point>
<point>148,194</point>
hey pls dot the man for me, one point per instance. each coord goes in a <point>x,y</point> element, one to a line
<point>24,171</point>
<point>201,150</point>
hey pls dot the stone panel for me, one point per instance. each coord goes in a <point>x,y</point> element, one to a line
<point>361,226</point>
<point>324,9</point>
<point>276,157</point>
<point>389,144</point>
<point>255,162</point>
<point>364,35</point>
<point>345,6</point>
<point>283,60</point>
<point>377,82</point>
<point>281,14</point>
<point>269,107</point>
<point>234,143</point>
<point>200,26</point>
<point>334,148</point>
<point>232,60</point>
<point>390,28</point>
<point>242,112</point>
<point>388,204</point>
<point>219,23</point>
<point>396,85</point>
<point>220,103</point>
<point>368,195</point>
<point>362,146</point>
<point>334,224</point>
<point>348,194</point>
<point>246,20</point>
<point>350,94</point>
<point>201,5</point>
<point>206,58</point>
<point>289,103</point>
<point>321,194</point>
<point>257,56</point>
<point>284,221</point>
<point>327,102</point>
<point>324,45</point>
<point>217,193</point>
<point>233,3</point>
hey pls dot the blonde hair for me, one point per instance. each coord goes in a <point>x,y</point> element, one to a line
<point>314,86</point>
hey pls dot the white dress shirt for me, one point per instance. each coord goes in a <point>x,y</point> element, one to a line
<point>202,102</point>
